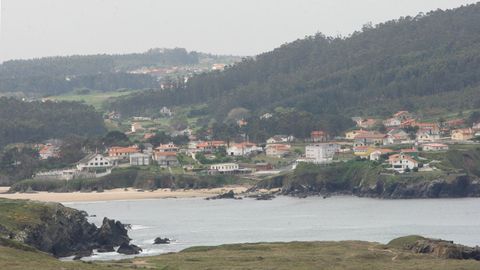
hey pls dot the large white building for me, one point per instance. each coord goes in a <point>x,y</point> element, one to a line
<point>95,161</point>
<point>321,152</point>
<point>225,167</point>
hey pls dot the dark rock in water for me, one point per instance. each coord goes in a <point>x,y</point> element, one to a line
<point>228,195</point>
<point>106,248</point>
<point>160,241</point>
<point>112,233</point>
<point>129,249</point>
<point>81,254</point>
<point>65,232</point>
<point>262,197</point>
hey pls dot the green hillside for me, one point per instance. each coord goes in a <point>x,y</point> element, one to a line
<point>429,63</point>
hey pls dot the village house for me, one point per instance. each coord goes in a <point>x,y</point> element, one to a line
<point>277,150</point>
<point>318,136</point>
<point>141,118</point>
<point>169,147</point>
<point>403,116</point>
<point>280,139</point>
<point>368,123</point>
<point>136,127</point>
<point>224,168</point>
<point>463,134</point>
<point>122,153</point>
<point>49,151</point>
<point>209,146</point>
<point>139,159</point>
<point>476,127</point>
<point>396,136</point>
<point>321,152</point>
<point>363,152</point>
<point>243,149</point>
<point>369,139</point>
<point>427,136</point>
<point>350,135</point>
<point>166,159</point>
<point>377,154</point>
<point>166,111</point>
<point>95,161</point>
<point>432,128</point>
<point>392,122</point>
<point>435,147</point>
<point>402,162</point>
<point>266,116</point>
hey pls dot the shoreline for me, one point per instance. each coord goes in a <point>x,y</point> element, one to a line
<point>120,194</point>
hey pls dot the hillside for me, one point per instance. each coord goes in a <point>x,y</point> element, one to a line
<point>59,75</point>
<point>36,121</point>
<point>429,63</point>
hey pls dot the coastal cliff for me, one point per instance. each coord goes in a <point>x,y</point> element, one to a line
<point>366,179</point>
<point>58,230</point>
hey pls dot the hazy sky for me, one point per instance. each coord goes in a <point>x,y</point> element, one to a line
<point>35,28</point>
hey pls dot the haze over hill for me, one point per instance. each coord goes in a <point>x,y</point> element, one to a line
<point>32,28</point>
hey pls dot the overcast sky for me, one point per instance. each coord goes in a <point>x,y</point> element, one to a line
<point>35,28</point>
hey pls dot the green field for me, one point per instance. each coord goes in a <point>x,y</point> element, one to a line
<point>352,255</point>
<point>94,98</point>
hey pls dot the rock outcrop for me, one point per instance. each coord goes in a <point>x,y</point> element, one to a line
<point>128,249</point>
<point>63,232</point>
<point>227,195</point>
<point>161,241</point>
<point>444,249</point>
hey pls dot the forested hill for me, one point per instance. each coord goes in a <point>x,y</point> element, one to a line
<point>56,75</point>
<point>427,63</point>
<point>36,121</point>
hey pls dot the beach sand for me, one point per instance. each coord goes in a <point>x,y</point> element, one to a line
<point>120,194</point>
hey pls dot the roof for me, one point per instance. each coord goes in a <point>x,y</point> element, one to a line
<point>279,147</point>
<point>89,157</point>
<point>165,154</point>
<point>131,149</point>
<point>370,136</point>
<point>397,157</point>
<point>401,113</point>
<point>318,133</point>
<point>244,145</point>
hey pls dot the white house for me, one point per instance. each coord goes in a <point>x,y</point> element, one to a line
<point>427,136</point>
<point>401,162</point>
<point>321,152</point>
<point>435,147</point>
<point>166,111</point>
<point>280,139</point>
<point>243,149</point>
<point>139,159</point>
<point>225,168</point>
<point>392,122</point>
<point>95,161</point>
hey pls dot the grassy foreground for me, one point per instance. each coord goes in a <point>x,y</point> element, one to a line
<point>297,255</point>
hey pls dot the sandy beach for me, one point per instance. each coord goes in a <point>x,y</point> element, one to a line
<point>120,194</point>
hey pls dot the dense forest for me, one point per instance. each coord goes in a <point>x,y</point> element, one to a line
<point>56,75</point>
<point>429,63</point>
<point>36,121</point>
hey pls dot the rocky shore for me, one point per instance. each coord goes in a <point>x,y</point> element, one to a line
<point>64,232</point>
<point>455,186</point>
